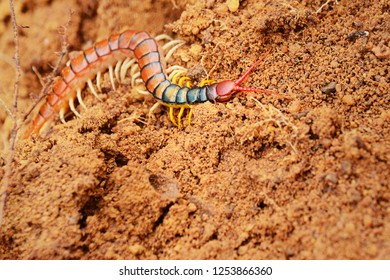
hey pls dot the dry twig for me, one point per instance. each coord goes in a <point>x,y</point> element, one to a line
<point>14,116</point>
<point>323,5</point>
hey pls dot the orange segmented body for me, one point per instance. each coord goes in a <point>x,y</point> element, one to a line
<point>106,53</point>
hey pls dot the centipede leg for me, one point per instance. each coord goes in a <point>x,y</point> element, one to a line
<point>163,37</point>
<point>62,115</point>
<point>141,91</point>
<point>111,72</point>
<point>179,116</point>
<point>134,77</point>
<point>125,66</point>
<point>175,74</point>
<point>80,99</point>
<point>175,67</point>
<point>134,69</point>
<point>171,116</point>
<point>206,82</point>
<point>98,81</point>
<point>177,44</point>
<point>189,117</point>
<point>184,81</point>
<point>71,105</point>
<point>117,69</point>
<point>138,82</point>
<point>90,85</point>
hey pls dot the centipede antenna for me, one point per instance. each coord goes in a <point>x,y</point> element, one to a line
<point>247,72</point>
<point>117,69</point>
<point>98,82</point>
<point>90,85</point>
<point>80,99</point>
<point>71,105</point>
<point>111,72</point>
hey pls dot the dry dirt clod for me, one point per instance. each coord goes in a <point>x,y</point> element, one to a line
<point>381,51</point>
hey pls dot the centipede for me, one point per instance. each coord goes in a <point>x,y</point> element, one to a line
<point>140,52</point>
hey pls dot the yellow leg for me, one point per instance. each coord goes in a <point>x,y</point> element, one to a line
<point>179,116</point>
<point>189,117</point>
<point>175,75</point>
<point>185,80</point>
<point>171,116</point>
<point>206,82</point>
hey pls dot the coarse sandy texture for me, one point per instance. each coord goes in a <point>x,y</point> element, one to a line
<point>256,178</point>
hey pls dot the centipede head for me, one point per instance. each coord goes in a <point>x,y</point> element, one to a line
<point>225,90</point>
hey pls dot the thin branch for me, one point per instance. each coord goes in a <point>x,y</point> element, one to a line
<point>7,109</point>
<point>14,113</point>
<point>323,5</point>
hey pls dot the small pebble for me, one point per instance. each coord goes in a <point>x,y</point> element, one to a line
<point>331,178</point>
<point>136,249</point>
<point>367,221</point>
<point>329,88</point>
<point>284,49</point>
<point>358,34</point>
<point>346,167</point>
<point>349,227</point>
<point>192,207</point>
<point>249,227</point>
<point>210,4</point>
<point>233,5</point>
<point>348,100</point>
<point>242,250</point>
<point>294,107</point>
<point>334,64</point>
<point>195,30</point>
